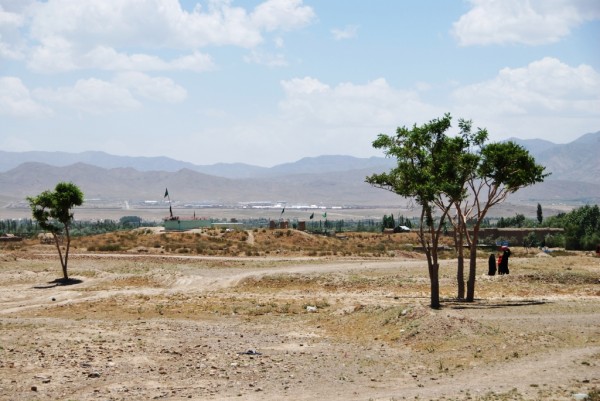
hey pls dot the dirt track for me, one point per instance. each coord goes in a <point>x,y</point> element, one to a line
<point>143,327</point>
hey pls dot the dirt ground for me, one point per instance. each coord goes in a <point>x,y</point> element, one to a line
<point>175,327</point>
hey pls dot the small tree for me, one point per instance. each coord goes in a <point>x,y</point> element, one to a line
<point>52,210</point>
<point>540,215</point>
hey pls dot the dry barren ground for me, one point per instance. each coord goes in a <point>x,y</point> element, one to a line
<point>172,327</point>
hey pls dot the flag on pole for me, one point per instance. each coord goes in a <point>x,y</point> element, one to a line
<point>166,193</point>
<point>312,215</point>
<point>325,215</point>
<point>282,210</point>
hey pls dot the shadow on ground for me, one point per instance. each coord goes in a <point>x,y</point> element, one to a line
<point>483,304</point>
<point>59,282</point>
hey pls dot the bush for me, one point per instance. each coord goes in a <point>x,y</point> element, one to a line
<point>109,248</point>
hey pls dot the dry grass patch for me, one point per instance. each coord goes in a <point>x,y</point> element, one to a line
<point>264,242</point>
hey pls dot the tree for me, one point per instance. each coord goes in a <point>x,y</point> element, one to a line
<point>540,215</point>
<point>582,228</point>
<point>388,222</point>
<point>503,168</point>
<point>52,210</point>
<point>429,170</point>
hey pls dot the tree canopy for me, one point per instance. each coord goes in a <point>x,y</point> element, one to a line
<point>441,172</point>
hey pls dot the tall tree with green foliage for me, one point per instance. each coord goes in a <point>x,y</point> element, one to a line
<point>503,168</point>
<point>466,163</point>
<point>52,210</point>
<point>429,170</point>
<point>540,215</point>
<point>582,227</point>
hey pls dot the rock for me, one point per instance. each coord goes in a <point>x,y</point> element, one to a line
<point>94,374</point>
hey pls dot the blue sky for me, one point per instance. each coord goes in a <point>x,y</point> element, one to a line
<point>272,81</point>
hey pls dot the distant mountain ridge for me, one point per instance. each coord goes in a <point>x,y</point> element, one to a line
<point>11,160</point>
<point>340,188</point>
<point>575,169</point>
<point>574,161</point>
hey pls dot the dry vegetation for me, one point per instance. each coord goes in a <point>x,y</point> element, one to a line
<point>172,316</point>
<point>258,242</point>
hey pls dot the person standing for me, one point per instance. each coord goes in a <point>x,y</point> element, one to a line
<point>503,264</point>
<point>492,265</point>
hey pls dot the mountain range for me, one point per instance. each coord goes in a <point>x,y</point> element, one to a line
<point>333,180</point>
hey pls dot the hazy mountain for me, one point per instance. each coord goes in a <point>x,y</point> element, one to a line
<point>187,185</point>
<point>10,160</point>
<point>534,146</point>
<point>575,169</point>
<point>331,163</point>
<point>575,161</point>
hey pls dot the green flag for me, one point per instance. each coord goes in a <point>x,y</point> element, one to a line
<point>312,215</point>
<point>166,193</point>
<point>325,215</point>
<point>282,210</point>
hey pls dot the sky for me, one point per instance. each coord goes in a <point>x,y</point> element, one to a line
<point>266,82</point>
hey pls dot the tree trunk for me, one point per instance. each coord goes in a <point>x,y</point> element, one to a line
<point>460,271</point>
<point>460,277</point>
<point>472,266</point>
<point>472,275</point>
<point>67,252</point>
<point>63,262</point>
<point>434,279</point>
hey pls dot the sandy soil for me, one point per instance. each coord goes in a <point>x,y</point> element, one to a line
<point>142,327</point>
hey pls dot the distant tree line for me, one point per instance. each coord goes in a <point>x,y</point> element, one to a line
<point>389,222</point>
<point>29,228</point>
<point>581,228</point>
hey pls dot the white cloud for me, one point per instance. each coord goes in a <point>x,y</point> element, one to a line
<point>342,119</point>
<point>282,14</point>
<point>371,104</point>
<point>348,32</point>
<point>163,23</point>
<point>93,96</point>
<point>307,85</point>
<point>268,59</point>
<point>531,22</point>
<point>16,100</point>
<point>57,55</point>
<point>197,62</point>
<point>11,43</point>
<point>547,96</point>
<point>67,35</point>
<point>154,88</point>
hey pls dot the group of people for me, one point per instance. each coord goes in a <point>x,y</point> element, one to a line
<point>502,262</point>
